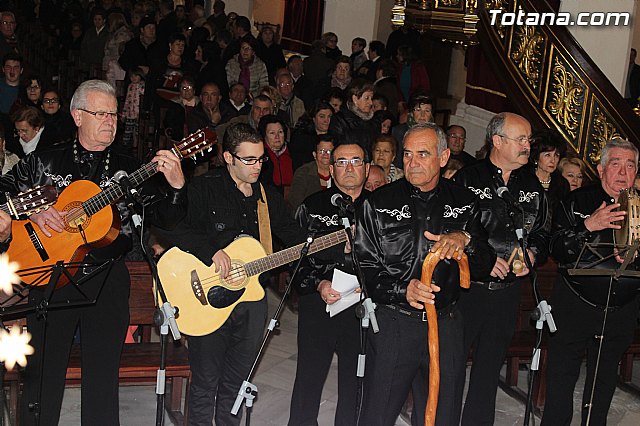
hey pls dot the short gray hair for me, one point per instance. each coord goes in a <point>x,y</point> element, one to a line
<point>79,99</point>
<point>495,127</point>
<point>617,142</point>
<point>440,134</point>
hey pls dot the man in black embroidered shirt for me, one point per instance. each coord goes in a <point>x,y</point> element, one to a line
<point>391,244</point>
<point>490,306</point>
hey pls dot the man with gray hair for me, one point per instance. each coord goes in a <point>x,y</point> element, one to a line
<point>103,324</point>
<point>594,314</point>
<point>510,198</point>
<point>398,225</point>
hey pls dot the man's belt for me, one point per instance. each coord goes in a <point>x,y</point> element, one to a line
<point>494,285</point>
<point>420,315</point>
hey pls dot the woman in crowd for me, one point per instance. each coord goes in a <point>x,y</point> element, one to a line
<point>278,171</point>
<point>335,98</point>
<point>573,170</point>
<point>357,113</point>
<point>304,137</point>
<point>420,112</point>
<point>270,52</point>
<point>341,76</point>
<point>246,68</point>
<point>30,94</point>
<point>166,72</point>
<point>57,118</point>
<point>31,131</point>
<point>313,176</point>
<point>384,152</point>
<point>332,51</point>
<point>210,68</point>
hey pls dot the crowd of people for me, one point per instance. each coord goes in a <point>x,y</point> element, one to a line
<point>294,133</point>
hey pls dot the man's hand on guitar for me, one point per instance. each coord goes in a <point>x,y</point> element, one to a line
<point>169,166</point>
<point>222,262</point>
<point>50,218</point>
<point>419,293</point>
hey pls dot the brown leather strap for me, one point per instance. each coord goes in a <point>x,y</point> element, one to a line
<point>264,223</point>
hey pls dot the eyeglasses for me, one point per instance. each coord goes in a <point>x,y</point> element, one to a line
<point>460,138</point>
<point>343,162</point>
<point>522,140</point>
<point>33,87</point>
<point>324,151</point>
<point>285,84</point>
<point>21,132</point>
<point>423,110</point>
<point>8,22</point>
<point>189,87</point>
<point>252,160</point>
<point>101,115</point>
<point>50,100</point>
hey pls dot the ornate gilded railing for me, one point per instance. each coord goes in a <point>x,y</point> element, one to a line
<point>548,77</point>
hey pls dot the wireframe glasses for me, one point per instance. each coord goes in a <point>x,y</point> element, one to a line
<point>343,162</point>
<point>101,115</point>
<point>522,140</point>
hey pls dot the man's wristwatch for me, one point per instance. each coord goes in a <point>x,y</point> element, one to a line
<point>468,235</point>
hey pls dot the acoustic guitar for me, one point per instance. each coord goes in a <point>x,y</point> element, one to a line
<point>204,299</point>
<point>88,224</point>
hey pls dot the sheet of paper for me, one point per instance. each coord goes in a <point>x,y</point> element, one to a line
<point>346,285</point>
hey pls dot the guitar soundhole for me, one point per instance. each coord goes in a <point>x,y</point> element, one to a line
<point>220,297</point>
<point>75,217</point>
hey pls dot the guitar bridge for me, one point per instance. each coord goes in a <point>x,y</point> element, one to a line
<point>35,240</point>
<point>196,286</point>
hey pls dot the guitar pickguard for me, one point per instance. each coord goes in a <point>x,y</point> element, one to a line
<point>220,297</point>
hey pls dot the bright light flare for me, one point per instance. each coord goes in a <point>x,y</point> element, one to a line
<point>8,275</point>
<point>14,347</point>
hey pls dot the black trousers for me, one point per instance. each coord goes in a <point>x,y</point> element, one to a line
<point>489,323</point>
<point>319,337</point>
<point>397,355</point>
<point>578,324</point>
<point>221,361</point>
<point>103,328</point>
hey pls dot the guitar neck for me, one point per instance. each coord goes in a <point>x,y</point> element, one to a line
<point>114,192</point>
<point>285,256</point>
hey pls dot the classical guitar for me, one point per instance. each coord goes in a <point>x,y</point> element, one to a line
<point>87,223</point>
<point>30,202</point>
<point>205,300</point>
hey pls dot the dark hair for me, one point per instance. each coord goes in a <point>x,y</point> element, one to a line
<point>382,114</point>
<point>177,36</point>
<point>248,39</point>
<point>334,93</point>
<point>359,87</point>
<point>12,56</point>
<point>32,115</point>
<point>98,11</point>
<point>407,53</point>
<point>189,79</point>
<point>224,36</point>
<point>292,58</point>
<point>382,98</point>
<point>238,133</point>
<point>319,106</point>
<point>243,22</point>
<point>377,46</point>
<point>357,137</point>
<point>343,60</point>
<point>218,6</point>
<point>388,68</point>
<point>359,40</point>
<point>451,126</point>
<point>546,140</point>
<point>418,99</point>
<point>317,46</point>
<point>326,137</point>
<point>387,138</point>
<point>270,119</point>
<point>208,50</point>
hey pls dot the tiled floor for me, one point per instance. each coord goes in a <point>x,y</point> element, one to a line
<point>274,379</point>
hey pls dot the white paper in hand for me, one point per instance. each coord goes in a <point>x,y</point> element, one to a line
<point>346,285</point>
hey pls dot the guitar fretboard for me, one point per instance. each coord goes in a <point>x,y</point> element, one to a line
<point>292,253</point>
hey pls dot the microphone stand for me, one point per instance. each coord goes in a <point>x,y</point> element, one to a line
<point>248,391</point>
<point>365,311</point>
<point>164,316</point>
<point>541,314</point>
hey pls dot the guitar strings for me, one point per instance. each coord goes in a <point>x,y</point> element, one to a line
<point>235,273</point>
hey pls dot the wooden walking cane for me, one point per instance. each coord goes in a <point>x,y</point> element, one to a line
<point>428,266</point>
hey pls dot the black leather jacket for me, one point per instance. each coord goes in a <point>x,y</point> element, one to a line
<point>318,215</point>
<point>569,237</point>
<point>391,246</point>
<point>56,166</point>
<point>484,178</point>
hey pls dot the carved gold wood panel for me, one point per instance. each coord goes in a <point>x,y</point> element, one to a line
<point>505,6</point>
<point>527,53</point>
<point>451,4</point>
<point>602,128</point>
<point>565,94</point>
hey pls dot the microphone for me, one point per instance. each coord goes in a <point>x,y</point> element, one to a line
<point>342,203</point>
<point>512,202</point>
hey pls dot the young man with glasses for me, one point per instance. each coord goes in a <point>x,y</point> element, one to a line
<point>319,334</point>
<point>221,206</point>
<point>103,324</point>
<point>490,307</point>
<point>398,225</point>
